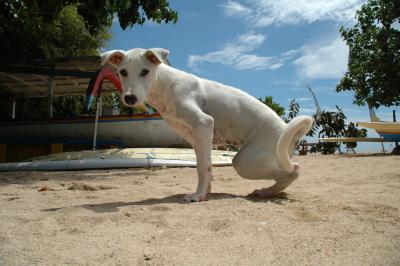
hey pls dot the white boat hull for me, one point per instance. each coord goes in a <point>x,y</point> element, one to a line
<point>135,131</point>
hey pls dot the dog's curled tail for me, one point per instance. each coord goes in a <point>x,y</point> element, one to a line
<point>289,139</point>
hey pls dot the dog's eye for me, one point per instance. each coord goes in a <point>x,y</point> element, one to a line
<point>123,72</point>
<point>144,72</point>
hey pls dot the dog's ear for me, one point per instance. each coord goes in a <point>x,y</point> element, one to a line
<point>113,57</point>
<point>157,55</point>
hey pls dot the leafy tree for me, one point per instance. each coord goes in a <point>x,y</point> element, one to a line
<point>53,28</point>
<point>30,33</point>
<point>68,106</point>
<point>294,108</point>
<point>353,132</point>
<point>31,108</point>
<point>129,12</point>
<point>331,125</point>
<point>67,35</point>
<point>280,110</point>
<point>37,108</point>
<point>374,60</point>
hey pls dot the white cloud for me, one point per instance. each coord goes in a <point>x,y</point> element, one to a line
<point>301,99</point>
<point>319,60</point>
<point>323,60</point>
<point>326,59</point>
<point>239,55</point>
<point>262,13</point>
<point>252,61</point>
<point>232,8</point>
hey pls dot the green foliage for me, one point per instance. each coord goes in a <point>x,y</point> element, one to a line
<point>32,108</point>
<point>331,125</point>
<point>68,106</point>
<point>353,132</point>
<point>56,28</point>
<point>280,110</point>
<point>294,108</point>
<point>28,31</point>
<point>68,36</point>
<point>129,12</point>
<point>374,60</point>
<point>63,106</point>
<point>38,108</point>
<point>111,99</point>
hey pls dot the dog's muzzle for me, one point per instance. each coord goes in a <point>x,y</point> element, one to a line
<point>130,99</point>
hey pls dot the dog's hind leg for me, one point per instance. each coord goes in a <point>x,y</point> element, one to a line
<point>281,184</point>
<point>256,161</point>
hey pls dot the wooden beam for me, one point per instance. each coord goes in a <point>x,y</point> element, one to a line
<point>17,79</point>
<point>73,81</point>
<point>51,94</point>
<point>46,71</point>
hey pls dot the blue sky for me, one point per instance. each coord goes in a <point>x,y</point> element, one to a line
<point>263,47</point>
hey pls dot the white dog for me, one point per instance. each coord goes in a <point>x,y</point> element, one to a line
<point>204,112</point>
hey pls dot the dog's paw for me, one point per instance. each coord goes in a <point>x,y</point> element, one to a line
<point>262,193</point>
<point>194,197</point>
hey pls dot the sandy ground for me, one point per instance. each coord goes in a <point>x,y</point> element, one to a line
<point>341,211</point>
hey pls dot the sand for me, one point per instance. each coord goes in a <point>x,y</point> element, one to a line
<point>343,210</point>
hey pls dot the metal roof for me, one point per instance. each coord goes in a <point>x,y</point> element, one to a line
<point>32,78</point>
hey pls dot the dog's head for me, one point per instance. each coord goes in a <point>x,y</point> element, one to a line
<point>137,71</point>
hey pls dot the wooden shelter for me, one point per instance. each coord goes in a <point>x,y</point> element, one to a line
<point>48,78</point>
<point>44,78</point>
<point>22,139</point>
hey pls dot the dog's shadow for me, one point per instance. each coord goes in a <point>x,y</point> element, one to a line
<point>280,199</point>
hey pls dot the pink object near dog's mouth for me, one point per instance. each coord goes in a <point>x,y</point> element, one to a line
<point>94,88</point>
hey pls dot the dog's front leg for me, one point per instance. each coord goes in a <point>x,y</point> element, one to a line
<point>203,135</point>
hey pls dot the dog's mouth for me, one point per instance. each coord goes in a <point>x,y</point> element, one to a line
<point>137,105</point>
<point>129,105</point>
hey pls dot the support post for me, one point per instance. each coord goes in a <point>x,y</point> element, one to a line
<point>51,92</point>
<point>98,110</point>
<point>394,120</point>
<point>14,106</point>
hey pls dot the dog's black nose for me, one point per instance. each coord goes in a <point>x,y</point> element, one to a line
<point>130,99</point>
